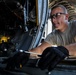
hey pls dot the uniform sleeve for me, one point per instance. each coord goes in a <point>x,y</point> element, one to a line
<point>50,39</point>
<point>73,29</point>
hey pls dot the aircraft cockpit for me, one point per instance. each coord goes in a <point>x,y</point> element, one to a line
<point>24,24</point>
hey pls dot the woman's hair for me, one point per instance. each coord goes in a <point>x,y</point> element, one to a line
<point>61,6</point>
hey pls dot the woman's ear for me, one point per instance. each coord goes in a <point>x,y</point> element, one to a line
<point>67,16</point>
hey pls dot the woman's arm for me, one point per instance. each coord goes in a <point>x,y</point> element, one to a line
<point>72,49</point>
<point>39,50</point>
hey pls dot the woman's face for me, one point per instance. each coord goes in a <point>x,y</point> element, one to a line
<point>59,18</point>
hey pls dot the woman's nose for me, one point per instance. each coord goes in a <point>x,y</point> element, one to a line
<point>54,19</point>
